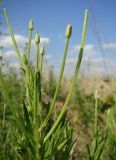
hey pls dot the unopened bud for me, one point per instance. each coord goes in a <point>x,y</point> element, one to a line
<point>37,39</point>
<point>68,31</point>
<point>96,94</point>
<point>42,50</point>
<point>31,25</point>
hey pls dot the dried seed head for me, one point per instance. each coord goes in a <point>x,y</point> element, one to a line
<point>42,50</point>
<point>37,39</point>
<point>31,25</point>
<point>68,31</point>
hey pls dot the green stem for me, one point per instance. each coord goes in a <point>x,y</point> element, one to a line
<point>29,45</point>
<point>96,106</point>
<point>41,63</point>
<point>36,101</point>
<point>95,123</point>
<point>73,81</point>
<point>35,83</point>
<point>12,36</point>
<point>60,77</point>
<point>37,58</point>
<point>58,85</point>
<point>4,116</point>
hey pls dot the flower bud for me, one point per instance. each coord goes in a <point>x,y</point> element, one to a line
<point>37,39</point>
<point>68,31</point>
<point>31,25</point>
<point>42,50</point>
<point>96,94</point>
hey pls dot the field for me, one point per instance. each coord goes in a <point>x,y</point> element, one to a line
<point>49,118</point>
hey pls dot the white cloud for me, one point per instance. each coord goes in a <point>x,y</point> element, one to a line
<point>109,45</point>
<point>44,40</point>
<point>15,65</point>
<point>6,41</point>
<point>92,61</point>
<point>71,60</point>
<point>89,51</point>
<point>48,56</point>
<point>10,53</point>
<point>21,40</point>
<point>87,47</point>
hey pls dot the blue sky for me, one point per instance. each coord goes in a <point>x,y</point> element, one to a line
<point>50,19</point>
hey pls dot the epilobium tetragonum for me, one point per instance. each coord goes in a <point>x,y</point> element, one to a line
<point>39,142</point>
